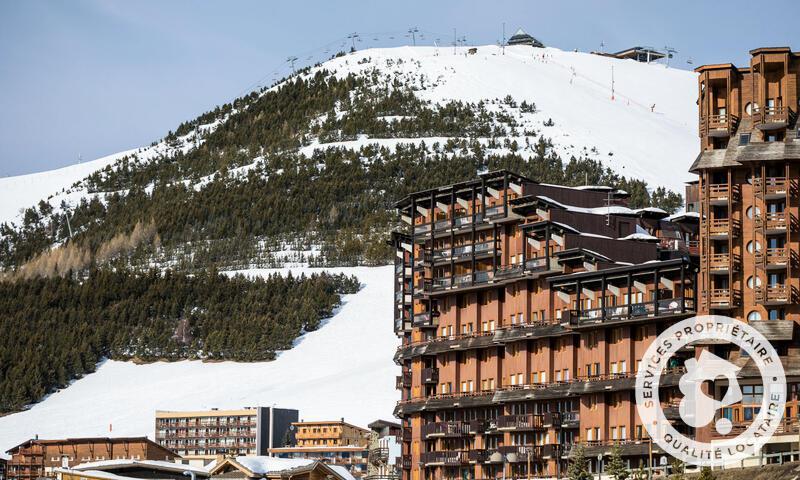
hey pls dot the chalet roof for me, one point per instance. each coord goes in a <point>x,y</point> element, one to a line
<point>114,440</point>
<point>760,50</point>
<point>274,467</point>
<point>754,152</point>
<point>383,424</point>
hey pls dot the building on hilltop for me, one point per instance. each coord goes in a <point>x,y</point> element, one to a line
<point>520,37</point>
<point>640,54</point>
<point>523,310</point>
<point>335,442</point>
<point>200,436</point>
<point>748,174</point>
<point>39,458</point>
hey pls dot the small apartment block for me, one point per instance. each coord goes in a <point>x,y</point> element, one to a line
<point>39,458</point>
<point>334,442</point>
<point>523,311</point>
<point>200,436</point>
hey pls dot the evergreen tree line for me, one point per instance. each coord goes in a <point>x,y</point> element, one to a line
<point>57,329</point>
<point>341,198</point>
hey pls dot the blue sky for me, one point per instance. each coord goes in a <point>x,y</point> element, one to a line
<point>92,77</point>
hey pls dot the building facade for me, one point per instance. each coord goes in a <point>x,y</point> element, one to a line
<point>39,458</point>
<point>523,310</point>
<point>747,187</point>
<point>200,436</point>
<point>384,451</point>
<point>335,442</point>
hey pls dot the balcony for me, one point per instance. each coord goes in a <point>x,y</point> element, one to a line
<point>773,222</point>
<point>773,258</point>
<point>403,381</point>
<point>378,455</point>
<point>723,263</point>
<point>430,376</point>
<point>721,298</point>
<point>722,228</point>
<point>773,294</point>
<point>425,320</point>
<point>773,118</point>
<point>771,188</point>
<point>721,193</point>
<point>521,453</point>
<point>616,313</point>
<point>570,419</point>
<point>718,125</point>
<point>520,422</point>
<point>493,212</point>
<point>445,429</point>
<point>445,458</point>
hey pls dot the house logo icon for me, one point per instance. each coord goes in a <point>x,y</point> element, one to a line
<point>710,386</point>
<point>696,408</point>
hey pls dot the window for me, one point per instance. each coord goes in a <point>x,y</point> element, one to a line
<point>754,315</point>
<point>744,138</point>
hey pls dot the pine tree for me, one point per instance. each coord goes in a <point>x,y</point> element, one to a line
<point>616,467</point>
<point>578,469</point>
<point>706,474</point>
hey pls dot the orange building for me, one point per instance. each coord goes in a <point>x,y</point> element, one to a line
<point>523,311</point>
<point>39,458</point>
<point>335,442</point>
<point>748,173</point>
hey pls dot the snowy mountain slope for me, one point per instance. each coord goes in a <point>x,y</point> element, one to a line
<point>573,89</point>
<point>344,369</point>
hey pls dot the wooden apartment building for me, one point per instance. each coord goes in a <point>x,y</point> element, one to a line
<point>748,170</point>
<point>523,310</point>
<point>335,442</point>
<point>39,458</point>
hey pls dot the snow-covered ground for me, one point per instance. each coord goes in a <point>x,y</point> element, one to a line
<point>344,369</point>
<point>649,130</point>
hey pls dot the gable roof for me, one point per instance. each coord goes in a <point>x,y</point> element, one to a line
<point>275,467</point>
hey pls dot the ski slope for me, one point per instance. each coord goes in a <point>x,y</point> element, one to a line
<point>648,131</point>
<point>344,369</point>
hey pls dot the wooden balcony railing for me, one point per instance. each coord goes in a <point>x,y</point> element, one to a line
<point>766,117</point>
<point>773,257</point>
<point>722,227</point>
<point>721,297</point>
<point>723,262</point>
<point>773,294</point>
<point>718,125</point>
<point>719,191</point>
<point>772,221</point>
<point>445,429</point>
<point>520,422</point>
<point>445,457</point>
<point>771,186</point>
<point>430,376</point>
